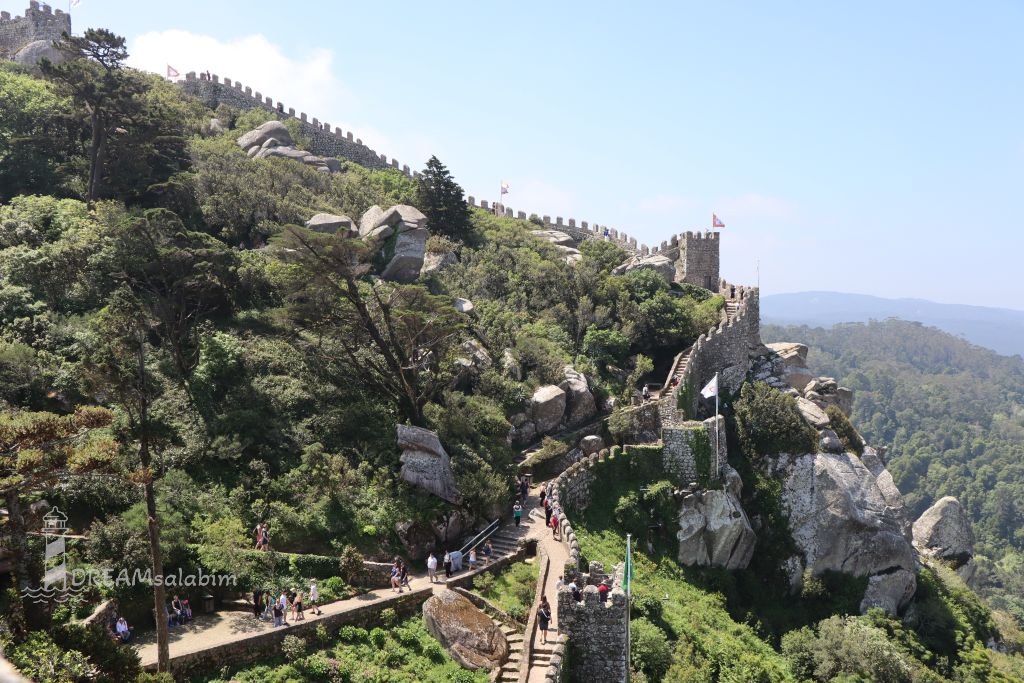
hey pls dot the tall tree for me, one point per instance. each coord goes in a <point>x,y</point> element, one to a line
<point>36,450</point>
<point>443,202</point>
<point>94,76</point>
<point>393,338</point>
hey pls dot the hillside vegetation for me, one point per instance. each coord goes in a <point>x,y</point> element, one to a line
<point>952,417</point>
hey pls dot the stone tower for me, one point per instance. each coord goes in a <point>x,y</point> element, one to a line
<point>698,259</point>
<point>26,39</point>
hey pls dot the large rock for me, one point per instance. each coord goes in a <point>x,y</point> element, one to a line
<point>329,222</point>
<point>469,635</point>
<point>944,531</point>
<point>556,237</point>
<point>714,530</point>
<point>37,50</point>
<point>891,591</point>
<point>434,262</point>
<point>659,263</point>
<point>270,129</point>
<point>591,444</point>
<point>580,405</point>
<point>812,413</point>
<point>417,538</point>
<point>842,516</point>
<point>370,219</point>
<point>793,354</point>
<point>425,462</point>
<point>547,406</point>
<point>407,261</point>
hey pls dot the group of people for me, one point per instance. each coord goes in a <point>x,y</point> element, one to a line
<point>262,534</point>
<point>452,562</point>
<point>179,612</point>
<point>268,608</point>
<point>552,513</point>
<point>399,575</point>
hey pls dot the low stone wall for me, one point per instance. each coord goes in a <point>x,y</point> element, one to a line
<point>684,441</point>
<point>596,632</point>
<point>556,669</point>
<point>544,568</point>
<point>466,578</point>
<point>489,608</point>
<point>263,645</point>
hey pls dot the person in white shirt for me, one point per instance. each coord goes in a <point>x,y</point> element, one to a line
<point>123,631</point>
<point>432,567</point>
<point>314,597</point>
<point>472,559</point>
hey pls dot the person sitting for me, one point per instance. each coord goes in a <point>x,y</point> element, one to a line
<point>172,618</point>
<point>574,589</point>
<point>123,630</point>
<point>179,614</point>
<point>186,609</point>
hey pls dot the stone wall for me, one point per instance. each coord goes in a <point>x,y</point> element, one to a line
<point>39,23</point>
<point>679,455</point>
<point>596,632</point>
<point>698,260</point>
<point>213,91</point>
<point>267,644</point>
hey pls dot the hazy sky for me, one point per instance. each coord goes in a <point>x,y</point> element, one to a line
<point>864,147</point>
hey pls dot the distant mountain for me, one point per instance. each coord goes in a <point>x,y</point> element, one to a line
<point>999,329</point>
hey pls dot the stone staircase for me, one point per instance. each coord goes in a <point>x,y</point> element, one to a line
<point>540,658</point>
<point>509,671</point>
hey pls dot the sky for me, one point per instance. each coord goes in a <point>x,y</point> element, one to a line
<point>870,147</point>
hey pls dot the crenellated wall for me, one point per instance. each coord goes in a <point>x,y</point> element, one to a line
<point>596,632</point>
<point>40,22</point>
<point>213,91</point>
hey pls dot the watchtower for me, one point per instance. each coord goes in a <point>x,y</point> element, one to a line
<point>698,259</point>
<point>41,24</point>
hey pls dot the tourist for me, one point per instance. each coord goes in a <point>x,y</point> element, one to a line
<point>472,559</point>
<point>179,616</point>
<point>554,524</point>
<point>524,490</point>
<point>547,512</point>
<point>314,597</point>
<point>543,497</point>
<point>278,612</point>
<point>544,619</point>
<point>258,534</point>
<point>257,602</point>
<point>447,564</point>
<point>559,584</point>
<point>186,609</point>
<point>265,537</point>
<point>282,603</point>
<point>123,630</point>
<point>517,513</point>
<point>297,612</point>
<point>172,618</point>
<point>646,393</point>
<point>268,606</point>
<point>488,550</point>
<point>432,567</point>
<point>403,575</point>
<point>575,590</point>
<point>396,585</point>
<point>602,591</point>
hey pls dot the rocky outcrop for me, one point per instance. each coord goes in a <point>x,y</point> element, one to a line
<point>547,405</point>
<point>944,532</point>
<point>272,139</point>
<point>469,635</point>
<point>659,263</point>
<point>714,530</point>
<point>579,402</point>
<point>435,262</point>
<point>556,237</point>
<point>425,463</point>
<point>814,415</point>
<point>405,252</point>
<point>37,50</point>
<point>793,368</point>
<point>330,223</point>
<point>891,591</point>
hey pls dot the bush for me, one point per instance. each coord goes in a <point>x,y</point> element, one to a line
<point>114,662</point>
<point>650,652</point>
<point>313,566</point>
<point>378,637</point>
<point>840,424</point>
<point>647,606</point>
<point>433,651</point>
<point>630,514</point>
<point>388,616</point>
<point>293,648</point>
<point>768,422</point>
<point>353,634</point>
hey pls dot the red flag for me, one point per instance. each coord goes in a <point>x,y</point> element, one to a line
<point>716,222</point>
<point>172,72</point>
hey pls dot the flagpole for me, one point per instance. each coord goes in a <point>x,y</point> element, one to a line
<point>629,593</point>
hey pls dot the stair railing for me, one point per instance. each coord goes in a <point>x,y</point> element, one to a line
<point>481,537</point>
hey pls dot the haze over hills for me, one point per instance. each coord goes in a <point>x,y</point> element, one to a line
<point>1000,329</point>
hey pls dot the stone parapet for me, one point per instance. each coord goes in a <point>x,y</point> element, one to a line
<point>596,632</point>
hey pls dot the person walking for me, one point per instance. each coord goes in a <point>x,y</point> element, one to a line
<point>488,551</point>
<point>547,512</point>
<point>544,619</point>
<point>517,513</point>
<point>297,608</point>
<point>472,559</point>
<point>554,524</point>
<point>257,602</point>
<point>403,576</point>
<point>276,611</point>
<point>447,564</point>
<point>282,603</point>
<point>314,598</point>
<point>524,490</point>
<point>432,567</point>
<point>396,586</point>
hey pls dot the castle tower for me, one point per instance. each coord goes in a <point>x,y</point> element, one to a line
<point>698,259</point>
<point>26,39</point>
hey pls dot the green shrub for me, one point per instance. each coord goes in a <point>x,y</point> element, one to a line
<point>313,566</point>
<point>43,661</point>
<point>333,588</point>
<point>658,498</point>
<point>647,606</point>
<point>768,422</point>
<point>353,634</point>
<point>293,648</point>
<point>433,651</point>
<point>840,424</point>
<point>388,617</point>
<point>113,661</point>
<point>630,514</point>
<point>378,637</point>
<point>649,649</point>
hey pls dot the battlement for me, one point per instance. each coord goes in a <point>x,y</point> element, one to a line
<point>214,91</point>
<point>40,22</point>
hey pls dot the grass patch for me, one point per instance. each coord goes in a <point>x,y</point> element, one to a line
<point>512,590</point>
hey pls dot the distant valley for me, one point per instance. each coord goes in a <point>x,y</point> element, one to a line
<point>999,329</point>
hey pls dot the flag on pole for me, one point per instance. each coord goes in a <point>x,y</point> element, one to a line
<point>716,222</point>
<point>76,3</point>
<point>504,187</point>
<point>627,575</point>
<point>711,388</point>
<point>172,72</point>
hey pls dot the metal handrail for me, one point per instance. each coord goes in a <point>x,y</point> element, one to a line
<point>481,537</point>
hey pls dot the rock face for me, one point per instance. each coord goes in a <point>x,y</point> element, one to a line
<point>547,407</point>
<point>891,591</point>
<point>272,139</point>
<point>556,237</point>
<point>844,516</point>
<point>943,531</point>
<point>425,462</point>
<point>659,263</point>
<point>580,405</point>
<point>469,635</point>
<point>812,413</point>
<point>407,260</point>
<point>714,529</point>
<point>329,222</point>
<point>434,263</point>
<point>31,54</point>
<point>406,253</point>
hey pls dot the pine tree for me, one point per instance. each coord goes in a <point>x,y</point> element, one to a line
<point>442,201</point>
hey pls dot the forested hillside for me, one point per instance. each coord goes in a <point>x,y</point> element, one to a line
<point>952,417</point>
